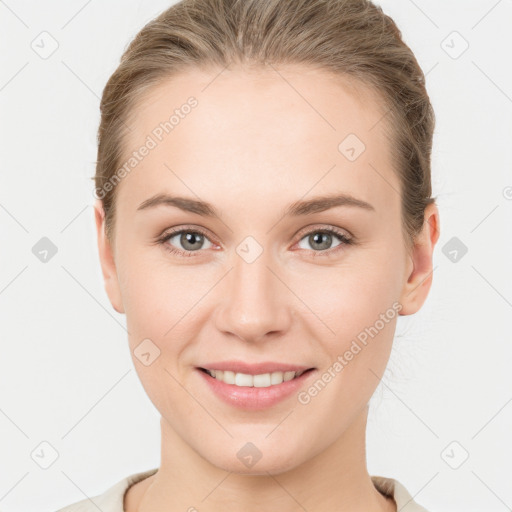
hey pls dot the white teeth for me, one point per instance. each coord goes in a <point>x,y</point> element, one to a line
<point>258,381</point>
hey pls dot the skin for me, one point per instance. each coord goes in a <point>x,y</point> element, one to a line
<point>258,141</point>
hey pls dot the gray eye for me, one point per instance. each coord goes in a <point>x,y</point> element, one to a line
<point>320,240</point>
<point>190,240</point>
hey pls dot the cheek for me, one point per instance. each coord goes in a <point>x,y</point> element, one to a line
<point>159,306</point>
<point>359,305</point>
<point>151,288</point>
<point>161,303</point>
<point>362,316</point>
<point>353,296</point>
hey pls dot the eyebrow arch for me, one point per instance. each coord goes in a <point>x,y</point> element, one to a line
<point>322,203</point>
<point>183,203</point>
<point>298,208</point>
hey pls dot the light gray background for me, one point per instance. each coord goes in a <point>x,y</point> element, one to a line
<point>66,376</point>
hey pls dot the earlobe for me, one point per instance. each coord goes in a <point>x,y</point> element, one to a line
<point>108,267</point>
<point>419,280</point>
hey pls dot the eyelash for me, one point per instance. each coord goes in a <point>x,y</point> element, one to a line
<point>325,253</point>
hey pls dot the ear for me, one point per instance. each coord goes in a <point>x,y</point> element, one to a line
<point>108,267</point>
<point>415,290</point>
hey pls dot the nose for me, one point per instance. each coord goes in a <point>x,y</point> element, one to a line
<point>256,303</point>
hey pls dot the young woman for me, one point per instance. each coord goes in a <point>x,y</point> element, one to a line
<point>264,214</point>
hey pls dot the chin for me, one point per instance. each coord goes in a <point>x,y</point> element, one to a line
<point>247,458</point>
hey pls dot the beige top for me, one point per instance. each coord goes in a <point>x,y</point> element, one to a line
<point>112,499</point>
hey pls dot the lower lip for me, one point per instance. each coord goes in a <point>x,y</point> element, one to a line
<point>254,398</point>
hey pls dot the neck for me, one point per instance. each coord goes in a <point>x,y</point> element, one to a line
<point>337,479</point>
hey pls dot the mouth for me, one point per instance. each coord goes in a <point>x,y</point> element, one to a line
<point>263,380</point>
<point>255,392</point>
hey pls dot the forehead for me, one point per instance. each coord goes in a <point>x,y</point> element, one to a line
<point>275,133</point>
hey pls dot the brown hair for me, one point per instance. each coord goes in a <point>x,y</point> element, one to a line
<point>347,38</point>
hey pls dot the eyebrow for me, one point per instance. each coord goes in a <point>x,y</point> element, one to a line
<point>298,208</point>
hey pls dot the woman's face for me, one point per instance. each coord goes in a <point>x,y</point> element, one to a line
<point>261,279</point>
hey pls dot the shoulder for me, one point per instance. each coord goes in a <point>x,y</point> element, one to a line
<point>111,500</point>
<point>403,499</point>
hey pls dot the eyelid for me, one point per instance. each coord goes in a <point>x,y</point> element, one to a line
<point>324,227</point>
<point>346,237</point>
<point>171,232</point>
<point>302,232</point>
<point>194,229</point>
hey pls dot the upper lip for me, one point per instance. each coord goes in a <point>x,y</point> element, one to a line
<point>254,368</point>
